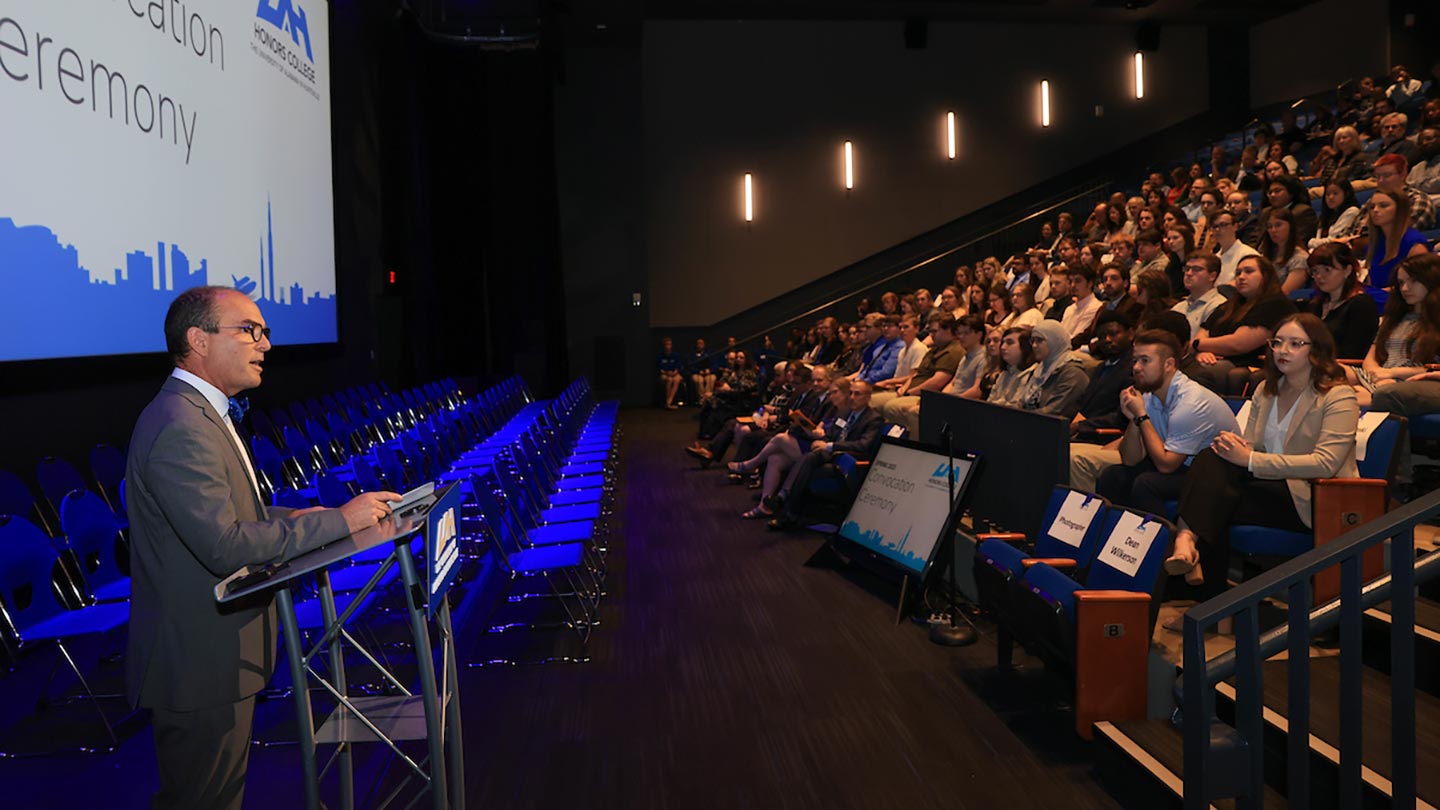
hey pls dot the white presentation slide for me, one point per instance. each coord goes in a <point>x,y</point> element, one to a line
<point>155,145</point>
<point>902,506</point>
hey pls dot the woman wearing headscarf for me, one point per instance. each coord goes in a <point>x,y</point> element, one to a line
<point>1059,378</point>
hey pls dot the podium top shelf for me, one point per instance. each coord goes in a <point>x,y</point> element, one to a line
<point>251,580</point>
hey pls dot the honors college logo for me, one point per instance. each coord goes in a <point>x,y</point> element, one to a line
<point>281,30</point>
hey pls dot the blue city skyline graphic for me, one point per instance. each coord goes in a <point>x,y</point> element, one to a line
<point>57,306</point>
<point>875,541</point>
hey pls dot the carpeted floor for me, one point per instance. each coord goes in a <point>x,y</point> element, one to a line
<point>724,674</point>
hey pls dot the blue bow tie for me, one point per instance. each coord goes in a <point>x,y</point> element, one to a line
<point>238,407</point>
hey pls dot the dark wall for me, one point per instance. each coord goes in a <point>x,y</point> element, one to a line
<point>779,98</point>
<point>1352,34</point>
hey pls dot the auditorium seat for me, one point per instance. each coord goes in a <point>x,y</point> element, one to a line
<point>16,499</point>
<point>94,535</point>
<point>107,467</point>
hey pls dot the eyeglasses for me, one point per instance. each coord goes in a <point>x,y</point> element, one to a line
<point>1293,344</point>
<point>255,330</point>
<point>1196,268</point>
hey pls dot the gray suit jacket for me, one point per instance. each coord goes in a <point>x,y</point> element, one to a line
<point>195,519</point>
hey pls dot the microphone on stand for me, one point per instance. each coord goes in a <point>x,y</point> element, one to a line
<point>952,634</point>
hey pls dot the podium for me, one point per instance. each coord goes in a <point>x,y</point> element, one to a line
<point>434,714</point>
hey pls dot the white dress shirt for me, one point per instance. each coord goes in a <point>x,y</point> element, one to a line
<point>221,404</point>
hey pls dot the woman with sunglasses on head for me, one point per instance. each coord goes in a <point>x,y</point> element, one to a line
<point>1340,299</point>
<point>1301,426</point>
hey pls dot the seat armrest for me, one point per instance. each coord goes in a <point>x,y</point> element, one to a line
<point>1111,596</point>
<point>860,462</point>
<point>1109,433</point>
<point>1053,562</point>
<point>1008,537</point>
<point>745,420</point>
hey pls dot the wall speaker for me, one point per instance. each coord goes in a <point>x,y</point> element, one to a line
<point>1147,37</point>
<point>917,34</point>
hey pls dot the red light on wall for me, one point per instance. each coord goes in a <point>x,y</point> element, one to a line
<point>392,276</point>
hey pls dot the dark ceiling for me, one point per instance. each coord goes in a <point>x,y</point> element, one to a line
<point>1067,11</point>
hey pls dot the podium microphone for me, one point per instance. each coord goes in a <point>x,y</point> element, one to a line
<point>952,634</point>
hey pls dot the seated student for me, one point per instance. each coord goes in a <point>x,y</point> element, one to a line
<point>1060,376</point>
<point>1023,310</point>
<point>970,334</point>
<point>701,372</point>
<point>765,360</point>
<point>1171,418</point>
<point>882,348</point>
<point>669,364</point>
<point>912,351</point>
<point>1150,250</point>
<point>1340,299</point>
<point>999,312</point>
<point>1287,193</point>
<point>1339,214</point>
<point>856,433</point>
<point>1230,344</point>
<point>1302,425</point>
<point>847,363</point>
<point>1060,297</point>
<point>935,371</point>
<point>994,367</point>
<point>784,449</point>
<point>1393,377</point>
<point>1017,356</point>
<point>1392,240</point>
<point>1079,317</point>
<point>1151,292</point>
<point>1283,249</point>
<point>1099,405</point>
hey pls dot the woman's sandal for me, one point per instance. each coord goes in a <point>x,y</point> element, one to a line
<point>758,512</point>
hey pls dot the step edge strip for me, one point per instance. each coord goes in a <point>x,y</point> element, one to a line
<point>1143,758</point>
<point>1324,749</point>
<point>1383,616</point>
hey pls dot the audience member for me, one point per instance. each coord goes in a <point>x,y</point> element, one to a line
<point>1099,404</point>
<point>1393,140</point>
<point>998,312</point>
<point>1248,176</point>
<point>911,352</point>
<point>1202,273</point>
<point>1059,377</point>
<point>1023,311</point>
<point>1080,315</point>
<point>1152,295</point>
<point>857,433</point>
<point>1393,377</point>
<point>1425,174</point>
<point>1344,160</point>
<point>733,394</point>
<point>1247,222</point>
<point>1404,90</point>
<point>1229,344</point>
<point>1060,297</point>
<point>1115,290</point>
<point>1230,250</point>
<point>1301,427</point>
<point>970,334</point>
<point>1171,419</point>
<point>1339,214</point>
<point>1281,245</point>
<point>783,450</point>
<point>1122,253</point>
<point>1017,359</point>
<point>669,364</point>
<point>1212,202</point>
<point>1392,240</point>
<point>935,371</point>
<point>795,394</point>
<point>1278,154</point>
<point>1390,175</point>
<point>1287,193</point>
<point>1179,242</point>
<point>1149,250</point>
<point>1340,300</point>
<point>881,355</point>
<point>889,303</point>
<point>702,374</point>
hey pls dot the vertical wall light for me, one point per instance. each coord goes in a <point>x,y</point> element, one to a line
<point>1045,103</point>
<point>950,134</point>
<point>849,165</point>
<point>749,198</point>
<point>1139,75</point>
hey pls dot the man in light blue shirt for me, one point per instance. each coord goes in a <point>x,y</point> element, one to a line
<point>883,354</point>
<point>1171,419</point>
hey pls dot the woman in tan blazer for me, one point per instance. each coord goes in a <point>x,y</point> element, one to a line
<point>1302,425</point>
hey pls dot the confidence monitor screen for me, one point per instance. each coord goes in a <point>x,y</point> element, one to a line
<point>900,511</point>
<point>152,146</point>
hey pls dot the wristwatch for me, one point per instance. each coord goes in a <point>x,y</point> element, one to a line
<point>1140,420</point>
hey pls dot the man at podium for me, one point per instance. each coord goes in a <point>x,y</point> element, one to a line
<point>196,516</point>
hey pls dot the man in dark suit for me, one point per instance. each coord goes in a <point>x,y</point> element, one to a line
<point>856,433</point>
<point>196,516</point>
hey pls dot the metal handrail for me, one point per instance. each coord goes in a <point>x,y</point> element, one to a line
<point>910,266</point>
<point>1221,762</point>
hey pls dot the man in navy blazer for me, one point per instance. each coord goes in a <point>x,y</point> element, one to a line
<point>196,516</point>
